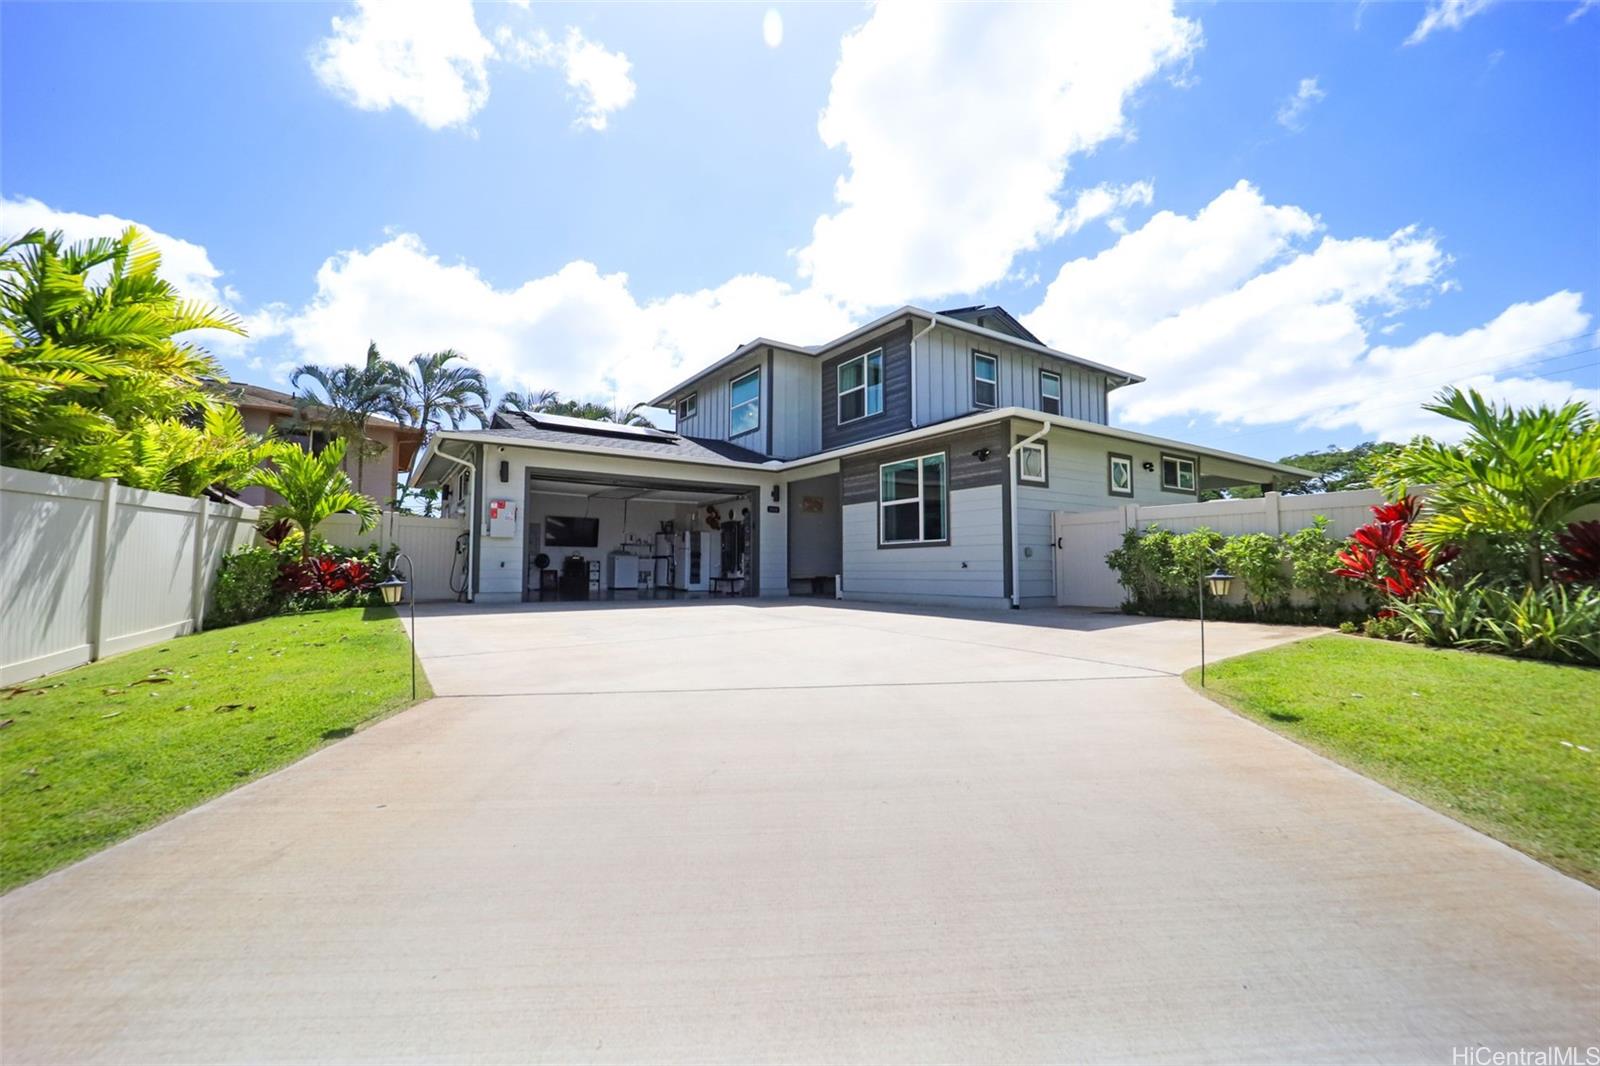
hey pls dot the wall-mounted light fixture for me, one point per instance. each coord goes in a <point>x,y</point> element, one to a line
<point>1148,466</point>
<point>982,455</point>
<point>775,493</point>
<point>505,471</point>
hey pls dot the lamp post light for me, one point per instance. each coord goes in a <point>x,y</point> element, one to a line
<point>391,590</point>
<point>1221,584</point>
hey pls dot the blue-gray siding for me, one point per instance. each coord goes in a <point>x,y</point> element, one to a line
<point>896,415</point>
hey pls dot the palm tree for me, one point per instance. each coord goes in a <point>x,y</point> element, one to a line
<point>529,402</point>
<point>1519,475</point>
<point>599,412</point>
<point>435,392</point>
<point>84,363</point>
<point>312,487</point>
<point>353,394</point>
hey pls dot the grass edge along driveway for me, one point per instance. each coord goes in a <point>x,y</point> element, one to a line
<point>93,755</point>
<point>1508,746</point>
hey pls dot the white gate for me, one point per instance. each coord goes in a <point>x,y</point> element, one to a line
<point>1081,543</point>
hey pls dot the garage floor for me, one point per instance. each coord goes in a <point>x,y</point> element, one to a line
<point>803,832</point>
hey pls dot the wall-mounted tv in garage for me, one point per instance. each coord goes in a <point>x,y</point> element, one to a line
<point>562,531</point>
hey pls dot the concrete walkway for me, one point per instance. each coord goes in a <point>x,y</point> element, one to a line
<point>731,832</point>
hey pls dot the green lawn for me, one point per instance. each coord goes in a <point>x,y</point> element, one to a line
<point>1497,743</point>
<point>93,755</point>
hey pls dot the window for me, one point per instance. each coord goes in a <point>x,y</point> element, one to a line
<point>686,406</point>
<point>1049,392</point>
<point>1119,474</point>
<point>1033,464</point>
<point>744,403</point>
<point>912,501</point>
<point>860,386</point>
<point>1177,474</point>
<point>985,380</point>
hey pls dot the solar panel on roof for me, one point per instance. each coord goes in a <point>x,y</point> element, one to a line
<point>601,429</point>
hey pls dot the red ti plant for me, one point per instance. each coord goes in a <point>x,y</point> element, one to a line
<point>1379,556</point>
<point>1578,560</point>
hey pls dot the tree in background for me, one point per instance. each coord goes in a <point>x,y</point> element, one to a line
<point>436,392</point>
<point>312,487</point>
<point>94,380</point>
<point>1334,470</point>
<point>549,402</point>
<point>1518,476</point>
<point>352,395</point>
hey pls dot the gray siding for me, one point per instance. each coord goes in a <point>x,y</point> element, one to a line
<point>814,536</point>
<point>711,405</point>
<point>896,415</point>
<point>796,423</point>
<point>944,382</point>
<point>970,570</point>
<point>858,474</point>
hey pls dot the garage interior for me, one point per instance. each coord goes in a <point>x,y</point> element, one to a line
<point>637,539</point>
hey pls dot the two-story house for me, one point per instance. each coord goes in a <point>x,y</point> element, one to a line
<point>918,458</point>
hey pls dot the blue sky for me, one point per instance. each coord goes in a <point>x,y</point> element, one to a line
<point>1297,220</point>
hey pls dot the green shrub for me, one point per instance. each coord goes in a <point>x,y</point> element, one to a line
<point>1313,557</point>
<point>1441,615</point>
<point>245,587</point>
<point>1549,623</point>
<point>1384,627</point>
<point>1257,559</point>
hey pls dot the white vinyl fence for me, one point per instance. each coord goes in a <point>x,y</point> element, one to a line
<point>1082,539</point>
<point>93,568</point>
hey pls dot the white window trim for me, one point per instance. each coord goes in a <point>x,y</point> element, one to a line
<point>921,500</point>
<point>1060,396</point>
<point>756,401</point>
<point>1044,464</point>
<point>994,360</point>
<point>864,387</point>
<point>691,401</point>
<point>1194,474</point>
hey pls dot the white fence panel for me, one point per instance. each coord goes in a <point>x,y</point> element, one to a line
<point>90,568</point>
<point>1082,539</point>
<point>429,542</point>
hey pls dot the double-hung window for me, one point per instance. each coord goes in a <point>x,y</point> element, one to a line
<point>913,501</point>
<point>985,380</point>
<point>1177,473</point>
<point>860,386</point>
<point>1049,392</point>
<point>744,403</point>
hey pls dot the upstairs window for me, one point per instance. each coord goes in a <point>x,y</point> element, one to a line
<point>860,386</point>
<point>985,380</point>
<point>1177,474</point>
<point>744,404</point>
<point>912,501</point>
<point>686,406</point>
<point>1049,392</point>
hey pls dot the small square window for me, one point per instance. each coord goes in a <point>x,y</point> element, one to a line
<point>1177,474</point>
<point>686,406</point>
<point>1049,392</point>
<point>1119,474</point>
<point>1033,464</point>
<point>985,380</point>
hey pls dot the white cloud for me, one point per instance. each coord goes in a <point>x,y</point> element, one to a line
<point>1292,112</point>
<point>426,56</point>
<point>1104,201</point>
<point>1583,8</point>
<point>959,123</point>
<point>1251,314</point>
<point>772,28</point>
<point>599,78</point>
<point>577,330</point>
<point>1446,15</point>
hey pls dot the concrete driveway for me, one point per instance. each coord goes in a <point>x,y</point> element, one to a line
<point>731,832</point>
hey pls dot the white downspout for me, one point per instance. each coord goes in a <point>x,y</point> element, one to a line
<point>1016,534</point>
<point>472,521</point>
<point>931,323</point>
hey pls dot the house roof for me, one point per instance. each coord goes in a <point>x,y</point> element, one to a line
<point>1012,334</point>
<point>538,429</point>
<point>246,396</point>
<point>984,314</point>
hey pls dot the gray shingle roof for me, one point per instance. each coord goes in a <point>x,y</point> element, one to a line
<point>516,426</point>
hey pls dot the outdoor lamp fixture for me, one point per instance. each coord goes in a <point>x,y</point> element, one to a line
<point>391,590</point>
<point>982,455</point>
<point>1220,584</point>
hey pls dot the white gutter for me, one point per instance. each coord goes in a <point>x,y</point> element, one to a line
<point>922,333</point>
<point>472,514</point>
<point>1016,536</point>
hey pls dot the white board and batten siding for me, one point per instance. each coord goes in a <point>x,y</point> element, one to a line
<point>944,378</point>
<point>1084,580</point>
<point>91,568</point>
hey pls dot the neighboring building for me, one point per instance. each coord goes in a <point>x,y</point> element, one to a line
<point>883,459</point>
<point>390,450</point>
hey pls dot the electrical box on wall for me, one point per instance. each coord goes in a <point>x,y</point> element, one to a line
<point>502,518</point>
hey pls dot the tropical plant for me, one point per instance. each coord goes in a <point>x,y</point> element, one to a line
<point>91,351</point>
<point>1441,615</point>
<point>312,487</point>
<point>351,396</point>
<point>1313,556</point>
<point>1382,556</point>
<point>1257,559</point>
<point>436,392</point>
<point>176,456</point>
<point>244,586</point>
<point>1554,622</point>
<point>1519,474</point>
<point>1577,558</point>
